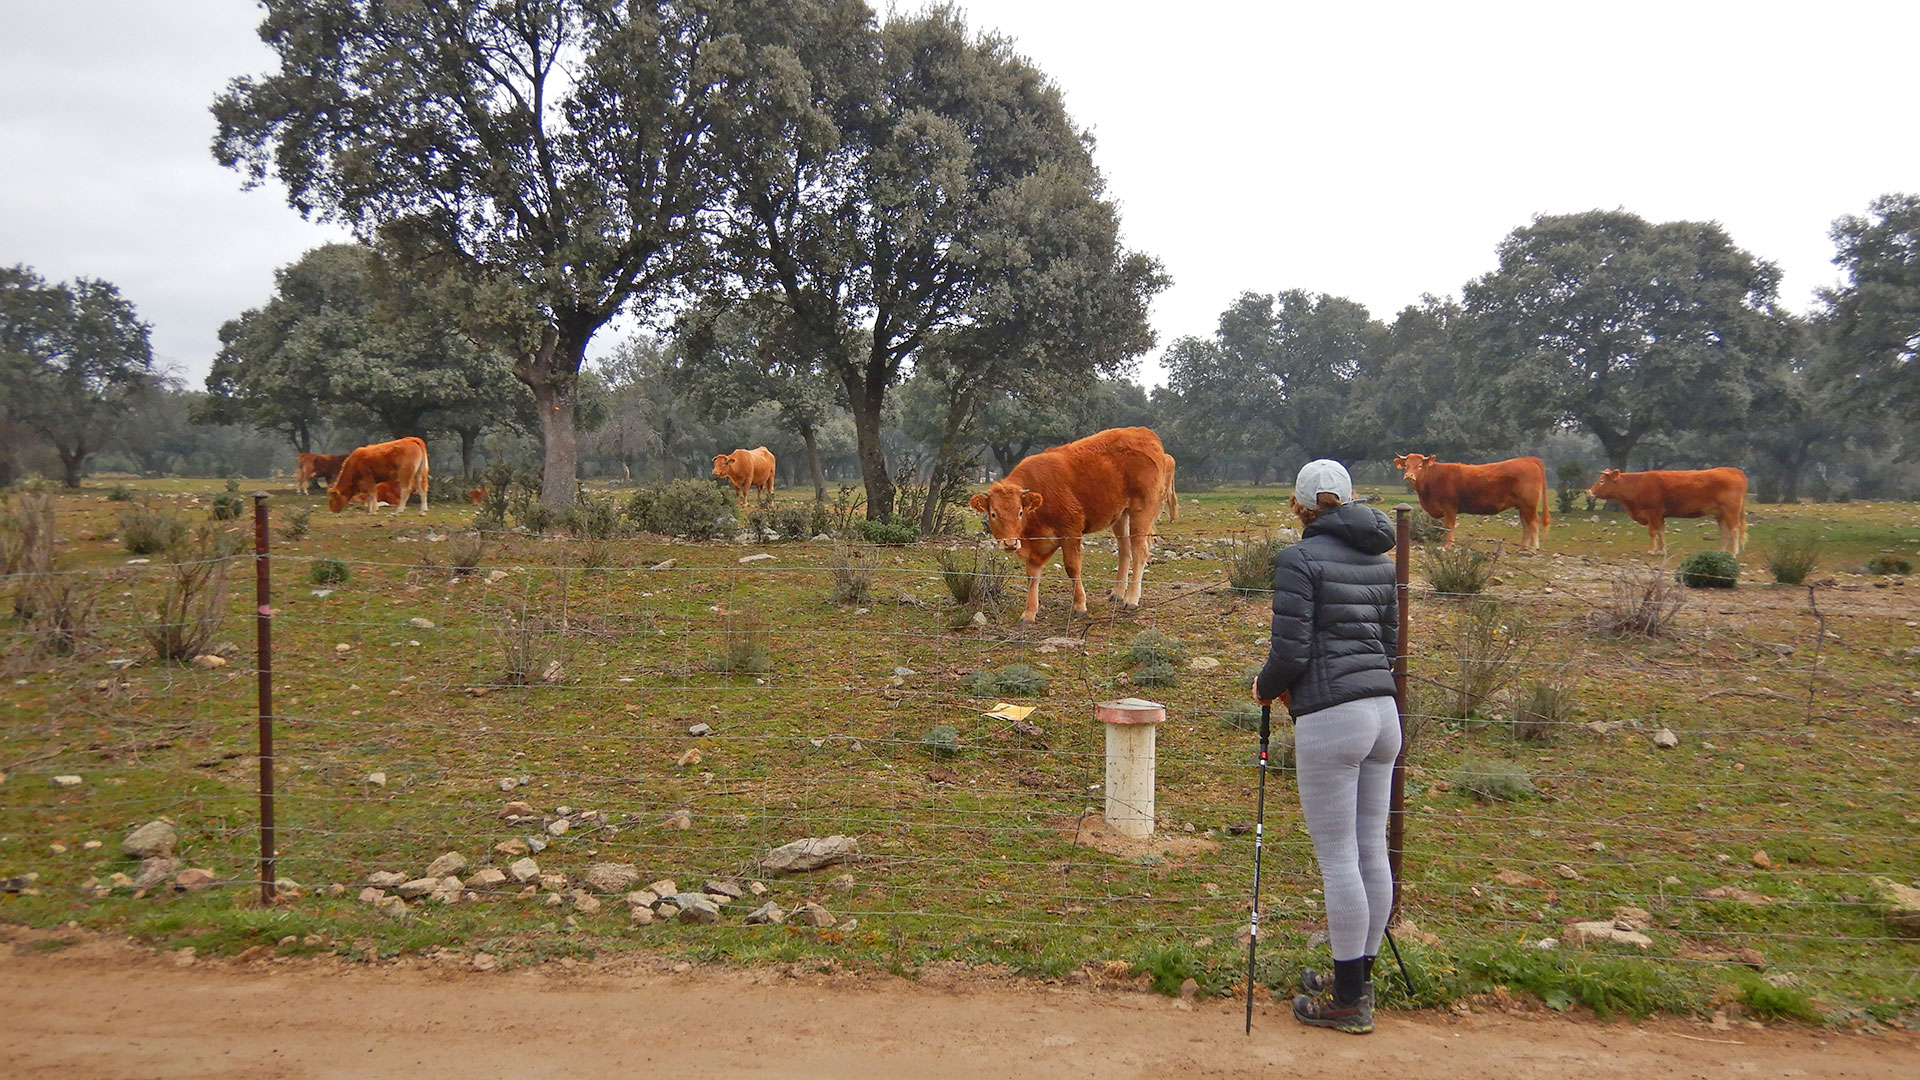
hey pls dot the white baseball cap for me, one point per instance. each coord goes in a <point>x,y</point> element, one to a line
<point>1322,475</point>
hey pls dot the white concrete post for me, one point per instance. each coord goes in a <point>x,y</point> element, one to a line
<point>1130,748</point>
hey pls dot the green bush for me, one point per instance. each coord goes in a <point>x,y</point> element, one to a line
<point>1888,564</point>
<point>889,531</point>
<point>1494,781</point>
<point>942,741</point>
<point>1708,570</point>
<point>783,522</point>
<point>119,493</point>
<point>195,599</point>
<point>145,531</point>
<point>1150,647</point>
<point>594,518</point>
<point>1542,712</point>
<point>747,648</point>
<point>1250,567</point>
<point>1764,999</point>
<point>1014,680</point>
<point>1460,570</point>
<point>1573,483</point>
<point>1170,966</point>
<point>1241,716</point>
<point>227,506</point>
<point>327,572</point>
<point>689,508</point>
<point>298,521</point>
<point>1792,557</point>
<point>1424,529</point>
<point>1157,673</point>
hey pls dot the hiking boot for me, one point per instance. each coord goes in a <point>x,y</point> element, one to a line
<point>1321,1010</point>
<point>1315,981</point>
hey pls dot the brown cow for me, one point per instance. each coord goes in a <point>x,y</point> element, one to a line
<point>1173,497</point>
<point>322,467</point>
<point>477,495</point>
<point>748,469</point>
<point>1650,498</point>
<point>1448,489</point>
<point>402,461</point>
<point>1111,479</point>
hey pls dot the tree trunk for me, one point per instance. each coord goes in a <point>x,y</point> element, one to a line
<point>70,465</point>
<point>468,436</point>
<point>811,439</point>
<point>1617,444</point>
<point>873,460</point>
<point>559,477</point>
<point>957,409</point>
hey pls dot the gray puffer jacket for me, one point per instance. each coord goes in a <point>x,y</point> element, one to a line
<point>1335,613</point>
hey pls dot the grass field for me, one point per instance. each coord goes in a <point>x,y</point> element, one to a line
<point>1792,778</point>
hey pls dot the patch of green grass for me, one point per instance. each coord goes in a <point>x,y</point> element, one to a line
<point>1014,680</point>
<point>328,571</point>
<point>1708,570</point>
<point>1765,1000</point>
<point>1562,977</point>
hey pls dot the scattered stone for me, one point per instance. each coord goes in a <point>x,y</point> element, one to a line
<point>523,870</point>
<point>679,819</point>
<point>1632,918</point>
<point>1547,943</point>
<point>484,962</point>
<point>584,902</point>
<point>1588,933</point>
<point>1751,957</point>
<point>1202,663</point>
<point>1898,904</point>
<point>1762,860</point>
<point>536,844</point>
<point>757,888</point>
<point>979,618</point>
<point>424,624</point>
<point>490,879</point>
<point>114,881</point>
<point>508,783</point>
<point>723,888</point>
<point>1189,989</point>
<point>369,894</point>
<point>1518,880</point>
<point>448,864</point>
<point>1666,739</point>
<point>449,891</point>
<point>91,845</point>
<point>510,849</point>
<point>609,877</point>
<point>761,557</point>
<point>1597,848</point>
<point>555,672</point>
<point>554,899</point>
<point>663,888</point>
<point>1566,871</point>
<point>342,649</point>
<point>208,661</point>
<point>558,827</point>
<point>391,906</point>
<point>811,914</point>
<point>153,872</point>
<point>554,882</point>
<point>377,779</point>
<point>195,879</point>
<point>66,781</point>
<point>121,664</point>
<point>767,914</point>
<point>667,565</point>
<point>844,882</point>
<point>640,916</point>
<point>811,853</point>
<point>690,758</point>
<point>696,908</point>
<point>1735,893</point>
<point>335,891</point>
<point>417,887</point>
<point>155,839</point>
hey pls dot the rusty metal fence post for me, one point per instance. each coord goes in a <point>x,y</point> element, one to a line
<point>1397,799</point>
<point>263,644</point>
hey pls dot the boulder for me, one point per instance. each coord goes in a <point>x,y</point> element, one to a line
<point>809,854</point>
<point>813,915</point>
<point>1590,933</point>
<point>418,887</point>
<point>385,879</point>
<point>1899,905</point>
<point>523,870</point>
<point>610,877</point>
<point>447,865</point>
<point>155,840</point>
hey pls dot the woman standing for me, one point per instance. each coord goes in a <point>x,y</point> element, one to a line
<point>1332,652</point>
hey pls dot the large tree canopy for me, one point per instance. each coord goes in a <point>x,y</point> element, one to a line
<point>554,150</point>
<point>1623,327</point>
<point>917,195</point>
<point>1873,320</point>
<point>74,359</point>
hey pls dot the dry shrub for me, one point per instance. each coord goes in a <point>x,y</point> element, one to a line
<point>1486,650</point>
<point>1642,603</point>
<point>747,648</point>
<point>465,552</point>
<point>58,613</point>
<point>146,531</point>
<point>1460,570</point>
<point>195,598</point>
<point>530,646</point>
<point>26,544</point>
<point>1543,711</point>
<point>975,576</point>
<point>852,573</point>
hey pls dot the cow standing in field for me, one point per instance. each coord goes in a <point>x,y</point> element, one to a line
<point>1448,489</point>
<point>748,470</point>
<point>322,467</point>
<point>1111,479</point>
<point>402,462</point>
<point>1650,498</point>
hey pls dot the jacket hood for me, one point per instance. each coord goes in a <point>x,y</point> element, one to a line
<point>1359,527</point>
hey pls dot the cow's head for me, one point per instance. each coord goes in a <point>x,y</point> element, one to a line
<point>1007,506</point>
<point>722,464</point>
<point>1606,485</point>
<point>336,499</point>
<point>1413,466</point>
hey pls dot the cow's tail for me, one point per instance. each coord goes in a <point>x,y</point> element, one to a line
<point>1546,515</point>
<point>1173,500</point>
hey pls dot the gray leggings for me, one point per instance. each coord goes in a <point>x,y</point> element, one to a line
<point>1344,755</point>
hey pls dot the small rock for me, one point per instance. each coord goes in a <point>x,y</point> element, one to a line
<point>1202,663</point>
<point>1897,903</point>
<point>767,914</point>
<point>666,565</point>
<point>1518,880</point>
<point>757,888</point>
<point>377,779</point>
<point>690,758</point>
<point>609,877</point>
<point>449,891</point>
<point>1547,943</point>
<point>391,906</point>
<point>557,827</point>
<point>418,887</point>
<point>510,849</point>
<point>554,899</point>
<point>584,902</point>
<point>1666,739</point>
<point>681,820</point>
<point>723,888</point>
<point>516,810</point>
<point>844,882</point>
<point>663,887</point>
<point>491,879</point>
<point>810,854</point>
<point>1735,893</point>
<point>209,661</point>
<point>369,894</point>
<point>120,664</point>
<point>484,962</point>
<point>508,783</point>
<point>553,882</point>
<point>343,648</point>
<point>536,844</point>
<point>1566,871</point>
<point>761,557</point>
<point>813,915</point>
<point>1631,918</point>
<point>194,880</point>
<point>335,891</point>
<point>155,839</point>
<point>424,624</point>
<point>1189,989</point>
<point>979,618</point>
<point>523,870</point>
<point>385,879</point>
<point>696,908</point>
<point>66,781</point>
<point>446,865</point>
<point>1587,933</point>
<point>154,871</point>
<point>640,916</point>
<point>1762,860</point>
<point>698,730</point>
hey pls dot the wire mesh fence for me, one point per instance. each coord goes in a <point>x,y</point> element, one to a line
<point>1717,794</point>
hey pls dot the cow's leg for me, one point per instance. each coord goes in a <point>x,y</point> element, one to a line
<point>1446,522</point>
<point>1142,539</point>
<point>1070,558</point>
<point>1123,552</point>
<point>1657,533</point>
<point>1529,527</point>
<point>423,493</point>
<point>1033,591</point>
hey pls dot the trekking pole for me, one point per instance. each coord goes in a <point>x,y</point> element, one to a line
<point>1259,831</point>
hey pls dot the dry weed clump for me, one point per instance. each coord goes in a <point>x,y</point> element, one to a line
<point>195,599</point>
<point>852,573</point>
<point>1487,646</point>
<point>1642,602</point>
<point>976,577</point>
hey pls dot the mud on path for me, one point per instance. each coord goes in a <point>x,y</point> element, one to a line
<point>104,1010</point>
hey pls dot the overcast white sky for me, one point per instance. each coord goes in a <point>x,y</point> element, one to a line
<point>1368,150</point>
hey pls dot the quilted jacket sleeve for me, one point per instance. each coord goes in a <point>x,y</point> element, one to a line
<point>1291,646</point>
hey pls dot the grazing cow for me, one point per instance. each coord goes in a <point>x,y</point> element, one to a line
<point>1051,500</point>
<point>403,462</point>
<point>1173,497</point>
<point>322,467</point>
<point>1650,498</point>
<point>748,470</point>
<point>477,495</point>
<point>1448,489</point>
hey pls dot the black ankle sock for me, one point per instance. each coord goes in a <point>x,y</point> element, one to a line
<point>1349,979</point>
<point>1368,974</point>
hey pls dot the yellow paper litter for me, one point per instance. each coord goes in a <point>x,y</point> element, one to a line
<point>1004,711</point>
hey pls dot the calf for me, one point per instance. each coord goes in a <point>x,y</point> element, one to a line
<point>322,467</point>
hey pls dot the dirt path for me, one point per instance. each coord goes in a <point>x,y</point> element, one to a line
<point>103,1010</point>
